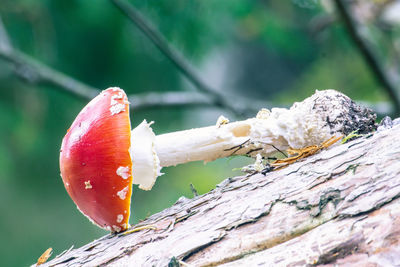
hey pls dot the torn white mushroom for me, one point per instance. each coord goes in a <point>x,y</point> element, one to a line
<point>310,122</point>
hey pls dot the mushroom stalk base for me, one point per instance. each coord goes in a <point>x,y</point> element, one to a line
<point>307,123</point>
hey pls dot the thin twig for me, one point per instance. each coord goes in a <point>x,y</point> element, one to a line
<point>369,55</point>
<point>194,191</point>
<point>172,54</point>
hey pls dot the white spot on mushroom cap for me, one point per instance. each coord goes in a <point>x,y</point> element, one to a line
<point>120,95</point>
<point>115,89</point>
<point>123,192</point>
<point>124,172</point>
<point>116,228</point>
<point>114,98</point>
<point>120,217</point>
<point>88,185</point>
<point>117,108</point>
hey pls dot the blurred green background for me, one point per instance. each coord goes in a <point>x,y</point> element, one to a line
<point>274,51</point>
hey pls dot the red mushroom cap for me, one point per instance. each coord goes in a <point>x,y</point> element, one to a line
<point>95,162</point>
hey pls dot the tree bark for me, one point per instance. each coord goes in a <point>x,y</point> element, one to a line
<point>340,206</point>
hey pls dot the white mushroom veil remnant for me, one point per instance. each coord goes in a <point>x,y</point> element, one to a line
<point>145,162</point>
<point>310,122</point>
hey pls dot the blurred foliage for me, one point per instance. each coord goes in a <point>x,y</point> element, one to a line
<point>268,51</point>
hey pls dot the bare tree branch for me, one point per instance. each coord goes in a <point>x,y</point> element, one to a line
<point>369,55</point>
<point>35,72</point>
<point>173,55</point>
<point>5,44</point>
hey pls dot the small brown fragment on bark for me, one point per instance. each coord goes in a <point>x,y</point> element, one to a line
<point>44,257</point>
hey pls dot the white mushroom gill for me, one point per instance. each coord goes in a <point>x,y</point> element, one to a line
<point>304,124</point>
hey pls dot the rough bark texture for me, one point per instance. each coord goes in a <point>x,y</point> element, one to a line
<point>340,206</point>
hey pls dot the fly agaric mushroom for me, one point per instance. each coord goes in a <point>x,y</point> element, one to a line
<point>95,162</point>
<point>101,158</point>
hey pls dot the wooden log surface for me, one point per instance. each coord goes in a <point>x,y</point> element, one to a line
<point>340,206</point>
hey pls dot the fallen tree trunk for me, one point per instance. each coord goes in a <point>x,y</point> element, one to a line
<point>340,206</point>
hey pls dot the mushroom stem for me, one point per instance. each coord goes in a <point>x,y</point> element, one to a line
<point>210,143</point>
<point>310,122</point>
